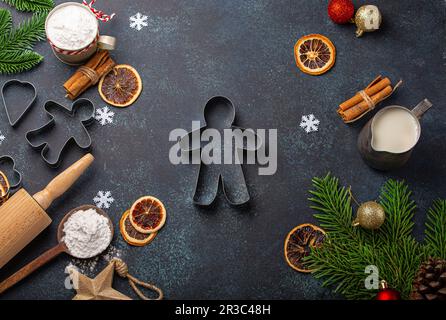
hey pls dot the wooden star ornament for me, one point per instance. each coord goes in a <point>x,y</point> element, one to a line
<point>99,288</point>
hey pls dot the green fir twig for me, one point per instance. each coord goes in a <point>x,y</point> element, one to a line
<point>18,61</point>
<point>340,263</point>
<point>16,44</point>
<point>25,35</point>
<point>5,21</point>
<point>435,233</point>
<point>31,5</point>
<point>395,198</point>
<point>334,206</point>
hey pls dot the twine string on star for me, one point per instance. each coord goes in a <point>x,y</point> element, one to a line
<point>123,271</point>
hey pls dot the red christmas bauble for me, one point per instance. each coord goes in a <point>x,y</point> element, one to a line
<point>387,294</point>
<point>341,11</point>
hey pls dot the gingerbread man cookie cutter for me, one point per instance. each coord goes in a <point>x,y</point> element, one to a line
<point>44,147</point>
<point>210,177</point>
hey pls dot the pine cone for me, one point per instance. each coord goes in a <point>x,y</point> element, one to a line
<point>430,281</point>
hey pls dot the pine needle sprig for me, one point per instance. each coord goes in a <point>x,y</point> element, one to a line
<point>25,35</point>
<point>435,233</point>
<point>341,268</point>
<point>18,61</point>
<point>31,5</point>
<point>5,21</point>
<point>340,263</point>
<point>16,44</point>
<point>334,204</point>
<point>395,198</point>
<point>398,262</point>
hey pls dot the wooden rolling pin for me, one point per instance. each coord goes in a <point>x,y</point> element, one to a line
<point>23,217</point>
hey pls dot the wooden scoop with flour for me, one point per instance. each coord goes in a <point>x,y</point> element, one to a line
<point>23,217</point>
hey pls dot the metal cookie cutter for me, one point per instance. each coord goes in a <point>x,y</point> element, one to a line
<point>8,161</point>
<point>22,85</point>
<point>81,110</point>
<point>219,114</point>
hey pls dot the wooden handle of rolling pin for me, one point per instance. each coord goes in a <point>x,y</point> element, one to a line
<point>31,267</point>
<point>63,182</point>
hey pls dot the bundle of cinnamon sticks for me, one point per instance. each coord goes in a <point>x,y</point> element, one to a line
<point>366,100</point>
<point>89,74</point>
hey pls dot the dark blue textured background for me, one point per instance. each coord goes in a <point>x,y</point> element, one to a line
<point>196,49</point>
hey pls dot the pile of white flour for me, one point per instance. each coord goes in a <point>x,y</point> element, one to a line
<point>87,233</point>
<point>71,27</point>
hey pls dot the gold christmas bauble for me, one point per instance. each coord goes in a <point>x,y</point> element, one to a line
<point>370,215</point>
<point>367,19</point>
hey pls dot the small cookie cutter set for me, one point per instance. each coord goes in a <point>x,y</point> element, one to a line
<point>81,111</point>
<point>219,114</point>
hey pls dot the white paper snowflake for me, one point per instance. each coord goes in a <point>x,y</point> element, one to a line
<point>2,138</point>
<point>138,21</point>
<point>103,199</point>
<point>104,116</point>
<point>309,123</point>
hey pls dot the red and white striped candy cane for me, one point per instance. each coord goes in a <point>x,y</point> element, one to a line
<point>98,13</point>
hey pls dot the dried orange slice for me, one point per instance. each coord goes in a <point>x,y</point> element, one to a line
<point>147,214</point>
<point>4,188</point>
<point>4,184</point>
<point>299,242</point>
<point>131,235</point>
<point>314,54</point>
<point>121,86</point>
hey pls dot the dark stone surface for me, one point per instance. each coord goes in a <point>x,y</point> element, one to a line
<point>193,50</point>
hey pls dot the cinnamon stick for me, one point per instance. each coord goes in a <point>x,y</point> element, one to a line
<point>362,107</point>
<point>100,64</point>
<point>370,91</point>
<point>96,60</point>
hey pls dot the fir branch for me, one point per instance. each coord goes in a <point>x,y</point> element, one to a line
<point>398,262</point>
<point>25,35</point>
<point>342,268</point>
<point>31,5</point>
<point>18,61</point>
<point>395,198</point>
<point>340,263</point>
<point>16,44</point>
<point>334,206</point>
<point>5,21</point>
<point>435,232</point>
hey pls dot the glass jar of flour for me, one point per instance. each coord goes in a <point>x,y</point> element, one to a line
<point>73,33</point>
